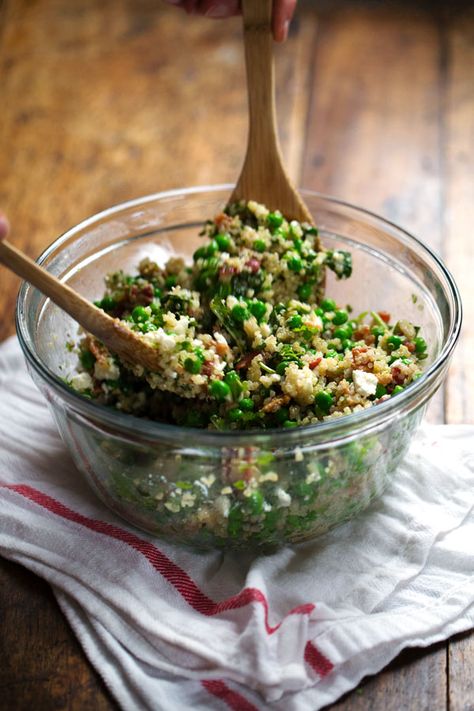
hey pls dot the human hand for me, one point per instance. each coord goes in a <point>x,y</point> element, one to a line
<point>4,226</point>
<point>282,12</point>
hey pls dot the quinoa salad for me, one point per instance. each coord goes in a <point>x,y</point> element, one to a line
<point>248,339</point>
<point>246,336</point>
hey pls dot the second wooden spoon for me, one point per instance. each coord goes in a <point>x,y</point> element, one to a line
<point>111,331</point>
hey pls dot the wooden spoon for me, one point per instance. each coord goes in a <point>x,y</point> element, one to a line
<point>113,333</point>
<point>263,177</point>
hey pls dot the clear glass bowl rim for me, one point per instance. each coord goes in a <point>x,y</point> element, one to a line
<point>325,432</point>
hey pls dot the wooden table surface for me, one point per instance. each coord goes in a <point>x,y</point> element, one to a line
<point>106,100</point>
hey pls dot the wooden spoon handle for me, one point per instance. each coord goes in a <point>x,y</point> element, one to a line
<point>258,43</point>
<point>263,177</point>
<point>86,314</point>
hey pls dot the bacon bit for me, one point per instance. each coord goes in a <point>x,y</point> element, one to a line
<point>221,348</point>
<point>363,334</point>
<point>141,297</point>
<point>253,264</point>
<point>275,403</point>
<point>207,368</point>
<point>314,363</point>
<point>397,375</point>
<point>227,271</point>
<point>222,220</point>
<point>147,293</point>
<point>246,360</point>
<point>385,316</point>
<point>409,346</point>
<point>98,350</point>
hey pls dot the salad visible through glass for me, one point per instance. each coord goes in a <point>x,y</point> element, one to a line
<point>248,340</point>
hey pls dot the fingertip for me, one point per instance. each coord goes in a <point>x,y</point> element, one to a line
<point>283,11</point>
<point>4,226</point>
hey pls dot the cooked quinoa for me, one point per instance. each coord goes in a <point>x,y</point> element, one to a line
<point>246,336</point>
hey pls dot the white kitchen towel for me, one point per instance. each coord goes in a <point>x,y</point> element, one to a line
<point>168,628</point>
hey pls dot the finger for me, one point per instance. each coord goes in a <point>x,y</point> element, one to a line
<point>191,6</point>
<point>4,226</point>
<point>282,13</point>
<point>219,8</point>
<point>177,3</point>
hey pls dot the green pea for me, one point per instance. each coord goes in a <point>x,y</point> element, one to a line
<point>394,342</point>
<point>294,321</point>
<point>140,314</point>
<point>259,245</point>
<point>232,379</point>
<point>219,390</point>
<point>255,502</point>
<point>289,423</point>
<point>200,253</point>
<point>305,291</point>
<point>295,264</point>
<point>377,331</point>
<point>212,248</point>
<point>170,281</point>
<point>282,415</point>
<point>420,345</point>
<point>246,404</point>
<point>235,414</point>
<point>239,313</point>
<point>347,344</point>
<point>106,304</point>
<point>340,317</point>
<point>324,401</point>
<point>258,309</point>
<point>274,220</point>
<point>380,390</point>
<point>193,365</point>
<point>223,242</point>
<point>342,332</point>
<point>397,390</point>
<point>328,305</point>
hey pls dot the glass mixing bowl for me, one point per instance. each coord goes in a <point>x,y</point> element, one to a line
<point>186,484</point>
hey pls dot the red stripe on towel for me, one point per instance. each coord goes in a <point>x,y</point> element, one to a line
<point>233,699</point>
<point>175,575</point>
<point>316,660</point>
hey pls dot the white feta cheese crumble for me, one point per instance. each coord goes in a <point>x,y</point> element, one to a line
<point>106,370</point>
<point>298,454</point>
<point>162,339</point>
<point>222,505</point>
<point>81,381</point>
<point>283,499</point>
<point>365,383</point>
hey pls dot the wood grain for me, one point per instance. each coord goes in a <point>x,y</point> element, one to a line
<point>374,135</point>
<point>459,203</point>
<point>459,254</point>
<point>43,666</point>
